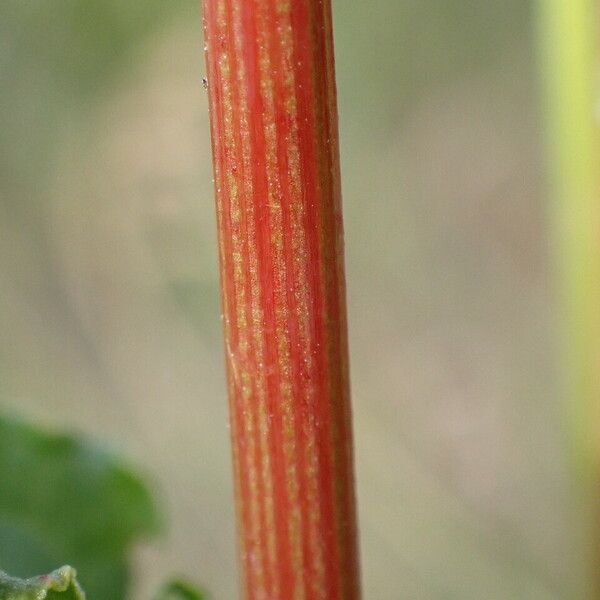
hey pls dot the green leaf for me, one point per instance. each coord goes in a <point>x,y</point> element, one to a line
<point>65,501</point>
<point>62,581</point>
<point>178,589</point>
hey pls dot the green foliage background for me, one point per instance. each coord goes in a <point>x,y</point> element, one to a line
<point>64,501</point>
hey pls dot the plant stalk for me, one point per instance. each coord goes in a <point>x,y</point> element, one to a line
<point>274,135</point>
<point>568,41</point>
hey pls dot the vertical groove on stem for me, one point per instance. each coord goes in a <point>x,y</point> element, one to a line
<point>275,146</point>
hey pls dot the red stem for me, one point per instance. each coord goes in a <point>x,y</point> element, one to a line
<point>276,161</point>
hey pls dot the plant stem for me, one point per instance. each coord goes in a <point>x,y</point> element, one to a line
<point>276,164</point>
<point>568,42</point>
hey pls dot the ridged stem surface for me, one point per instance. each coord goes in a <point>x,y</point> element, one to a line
<point>276,164</point>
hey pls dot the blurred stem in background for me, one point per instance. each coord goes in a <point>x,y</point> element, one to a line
<point>568,35</point>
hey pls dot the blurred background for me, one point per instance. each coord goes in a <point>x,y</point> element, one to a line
<point>109,307</point>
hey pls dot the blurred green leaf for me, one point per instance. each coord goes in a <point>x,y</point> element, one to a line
<point>177,589</point>
<point>62,581</point>
<point>63,500</point>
